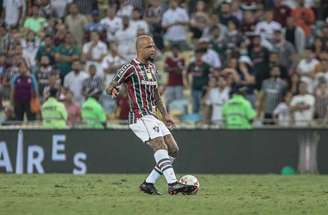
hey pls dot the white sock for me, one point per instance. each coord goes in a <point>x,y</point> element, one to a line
<point>156,173</point>
<point>164,163</point>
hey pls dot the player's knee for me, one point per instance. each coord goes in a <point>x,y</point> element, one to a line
<point>157,144</point>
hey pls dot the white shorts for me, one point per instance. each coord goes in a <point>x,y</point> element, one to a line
<point>149,127</point>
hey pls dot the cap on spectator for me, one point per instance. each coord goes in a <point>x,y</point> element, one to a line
<point>245,59</point>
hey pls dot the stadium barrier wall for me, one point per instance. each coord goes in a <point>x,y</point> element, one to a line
<point>258,151</point>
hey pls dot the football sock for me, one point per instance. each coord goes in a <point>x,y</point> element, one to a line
<point>156,173</point>
<point>165,165</point>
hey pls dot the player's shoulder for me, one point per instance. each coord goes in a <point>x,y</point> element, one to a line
<point>127,66</point>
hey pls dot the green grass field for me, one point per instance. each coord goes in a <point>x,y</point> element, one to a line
<point>118,194</point>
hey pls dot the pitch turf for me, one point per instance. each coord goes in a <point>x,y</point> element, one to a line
<point>118,194</point>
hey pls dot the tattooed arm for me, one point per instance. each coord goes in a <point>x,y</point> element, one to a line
<point>161,107</point>
<point>112,89</point>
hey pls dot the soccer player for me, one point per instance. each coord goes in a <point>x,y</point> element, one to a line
<point>140,78</point>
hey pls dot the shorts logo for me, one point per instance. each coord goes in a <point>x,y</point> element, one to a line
<point>156,129</point>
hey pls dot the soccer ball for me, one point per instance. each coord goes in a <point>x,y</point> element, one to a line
<point>190,180</point>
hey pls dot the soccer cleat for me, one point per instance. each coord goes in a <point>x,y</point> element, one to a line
<point>177,187</point>
<point>149,188</point>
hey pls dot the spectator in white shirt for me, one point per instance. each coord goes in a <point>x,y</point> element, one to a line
<point>125,9</point>
<point>74,82</point>
<point>59,6</point>
<point>210,56</point>
<point>281,113</point>
<point>125,39</point>
<point>13,12</point>
<point>94,51</point>
<point>175,21</point>
<point>112,23</point>
<point>138,22</point>
<point>216,96</point>
<point>111,63</point>
<point>267,27</point>
<point>302,106</point>
<point>308,67</point>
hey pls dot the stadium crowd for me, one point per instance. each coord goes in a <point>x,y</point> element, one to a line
<point>272,53</point>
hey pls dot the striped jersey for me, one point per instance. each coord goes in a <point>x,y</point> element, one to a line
<point>141,82</point>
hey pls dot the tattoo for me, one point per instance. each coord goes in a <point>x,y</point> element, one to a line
<point>111,86</point>
<point>159,103</point>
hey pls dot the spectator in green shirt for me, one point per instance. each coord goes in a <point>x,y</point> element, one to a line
<point>65,54</point>
<point>93,114</point>
<point>54,113</point>
<point>238,112</point>
<point>35,22</point>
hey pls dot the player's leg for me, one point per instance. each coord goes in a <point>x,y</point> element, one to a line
<point>173,150</point>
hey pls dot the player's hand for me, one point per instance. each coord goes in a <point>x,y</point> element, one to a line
<point>112,91</point>
<point>169,121</point>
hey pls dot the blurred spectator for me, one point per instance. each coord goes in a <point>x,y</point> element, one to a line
<point>2,77</point>
<point>216,96</point>
<point>86,6</point>
<point>75,22</point>
<point>153,16</point>
<point>226,14</point>
<point>13,12</point>
<point>274,61</point>
<point>111,63</point>
<point>266,27</point>
<point>43,72</point>
<point>308,67</point>
<point>247,78</point>
<point>209,55</point>
<point>281,113</point>
<point>281,12</point>
<point>54,114</point>
<point>53,82</point>
<point>74,80</point>
<point>284,49</point>
<point>295,35</point>
<point>271,95</point>
<point>318,48</point>
<point>248,22</point>
<point>199,71</point>
<point>215,23</point>
<point>59,7</point>
<point>73,110</point>
<point>46,9</point>
<point>93,81</point>
<point>216,41</point>
<point>93,52</point>
<point>5,39</point>
<point>233,38</point>
<point>125,8</point>
<point>175,21</point>
<point>125,39</point>
<point>93,114</point>
<point>46,49</point>
<point>95,24</point>
<point>199,19</point>
<point>238,112</point>
<point>321,100</point>
<point>302,106</point>
<point>138,22</point>
<point>9,116</point>
<point>24,88</point>
<point>260,57</point>
<point>65,54</point>
<point>303,17</point>
<point>35,22</point>
<point>174,66</point>
<point>30,46</point>
<point>112,23</point>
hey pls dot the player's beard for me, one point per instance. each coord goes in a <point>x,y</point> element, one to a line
<point>151,59</point>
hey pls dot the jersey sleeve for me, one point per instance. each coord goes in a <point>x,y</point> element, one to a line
<point>123,73</point>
